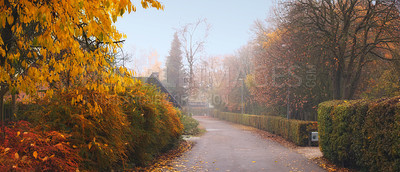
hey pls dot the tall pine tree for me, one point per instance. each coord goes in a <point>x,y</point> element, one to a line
<point>174,70</point>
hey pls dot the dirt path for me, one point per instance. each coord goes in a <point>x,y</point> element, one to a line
<point>225,147</point>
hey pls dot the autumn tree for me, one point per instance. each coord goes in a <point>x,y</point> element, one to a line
<point>222,79</point>
<point>174,69</point>
<point>321,50</point>
<point>353,33</point>
<point>246,55</point>
<point>287,78</point>
<point>193,39</point>
<point>212,75</point>
<point>43,42</point>
<point>232,85</point>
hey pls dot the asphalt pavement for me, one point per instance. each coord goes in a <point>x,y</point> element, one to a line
<point>225,147</point>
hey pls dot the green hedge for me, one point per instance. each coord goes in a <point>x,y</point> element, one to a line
<point>296,131</point>
<point>364,134</point>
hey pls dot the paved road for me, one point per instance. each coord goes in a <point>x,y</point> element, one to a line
<point>227,148</point>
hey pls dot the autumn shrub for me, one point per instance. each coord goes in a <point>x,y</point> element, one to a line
<point>361,133</point>
<point>111,132</point>
<point>98,127</point>
<point>29,149</point>
<point>155,123</point>
<point>296,131</point>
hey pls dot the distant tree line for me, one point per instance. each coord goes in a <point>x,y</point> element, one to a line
<point>314,51</point>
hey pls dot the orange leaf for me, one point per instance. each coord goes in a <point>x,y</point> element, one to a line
<point>35,154</point>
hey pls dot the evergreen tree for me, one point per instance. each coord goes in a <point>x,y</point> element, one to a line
<point>174,70</point>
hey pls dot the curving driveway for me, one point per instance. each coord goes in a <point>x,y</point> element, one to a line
<point>227,148</point>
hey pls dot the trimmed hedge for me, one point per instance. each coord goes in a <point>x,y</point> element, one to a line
<point>363,134</point>
<point>296,131</point>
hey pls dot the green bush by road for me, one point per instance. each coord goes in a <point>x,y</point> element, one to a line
<point>362,133</point>
<point>190,125</point>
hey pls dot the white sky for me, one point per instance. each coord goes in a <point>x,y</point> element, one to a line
<point>151,30</point>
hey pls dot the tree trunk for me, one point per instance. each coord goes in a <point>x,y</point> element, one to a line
<point>3,138</point>
<point>3,91</point>
<point>191,79</point>
<point>14,109</point>
<point>337,83</point>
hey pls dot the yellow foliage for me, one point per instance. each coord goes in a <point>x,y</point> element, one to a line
<point>272,37</point>
<point>54,45</point>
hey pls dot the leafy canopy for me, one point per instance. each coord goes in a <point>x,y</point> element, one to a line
<point>43,42</point>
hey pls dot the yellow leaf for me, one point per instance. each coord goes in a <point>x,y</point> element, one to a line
<point>2,52</point>
<point>90,145</point>
<point>18,133</point>
<point>3,22</point>
<point>35,154</point>
<point>6,149</point>
<point>10,19</point>
<point>16,156</point>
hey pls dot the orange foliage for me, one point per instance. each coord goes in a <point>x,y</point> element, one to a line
<point>98,127</point>
<point>30,149</point>
<point>155,123</point>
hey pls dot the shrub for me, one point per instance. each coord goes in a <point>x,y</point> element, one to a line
<point>295,131</point>
<point>155,123</point>
<point>110,131</point>
<point>190,125</point>
<point>95,121</point>
<point>362,133</point>
<point>28,149</point>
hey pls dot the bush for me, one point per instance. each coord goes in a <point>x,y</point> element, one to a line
<point>155,123</point>
<point>110,131</point>
<point>295,131</point>
<point>190,125</point>
<point>28,149</point>
<point>362,133</point>
<point>95,121</point>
